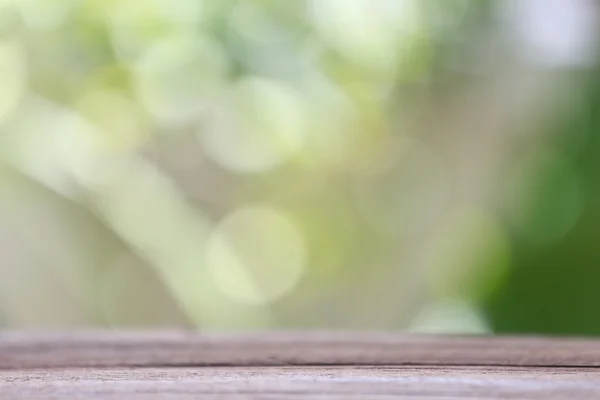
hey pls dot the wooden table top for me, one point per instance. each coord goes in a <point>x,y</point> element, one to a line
<point>184,365</point>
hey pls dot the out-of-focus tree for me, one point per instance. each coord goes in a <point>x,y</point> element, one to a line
<point>247,164</point>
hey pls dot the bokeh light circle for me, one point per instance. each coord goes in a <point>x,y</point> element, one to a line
<point>178,76</point>
<point>450,317</point>
<point>256,255</point>
<point>259,125</point>
<point>334,128</point>
<point>369,32</point>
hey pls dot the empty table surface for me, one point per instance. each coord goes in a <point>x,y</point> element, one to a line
<point>310,365</point>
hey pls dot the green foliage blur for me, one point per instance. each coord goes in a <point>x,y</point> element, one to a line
<point>418,165</point>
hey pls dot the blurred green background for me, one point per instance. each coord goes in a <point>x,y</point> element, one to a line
<point>419,165</point>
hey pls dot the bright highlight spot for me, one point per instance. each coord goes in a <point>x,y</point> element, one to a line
<point>57,160</point>
<point>256,255</point>
<point>555,33</point>
<point>370,32</point>
<point>450,317</point>
<point>260,126</point>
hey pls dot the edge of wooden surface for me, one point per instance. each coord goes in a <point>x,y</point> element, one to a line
<point>19,350</point>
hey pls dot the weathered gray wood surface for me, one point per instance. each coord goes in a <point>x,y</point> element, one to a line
<point>295,366</point>
<point>303,383</point>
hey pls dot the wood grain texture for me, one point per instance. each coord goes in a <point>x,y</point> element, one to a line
<point>339,383</point>
<point>336,366</point>
<point>109,349</point>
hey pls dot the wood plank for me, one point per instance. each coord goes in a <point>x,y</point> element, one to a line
<point>110,349</point>
<point>333,383</point>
